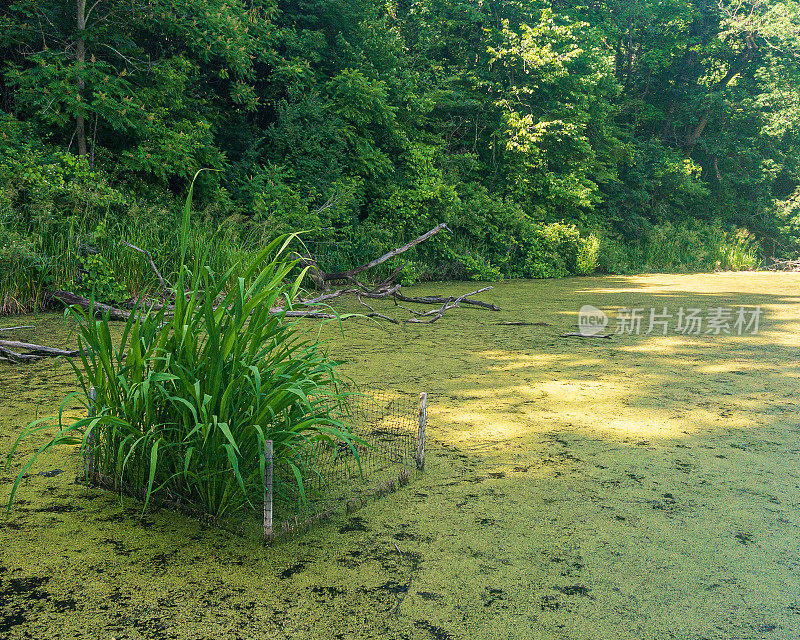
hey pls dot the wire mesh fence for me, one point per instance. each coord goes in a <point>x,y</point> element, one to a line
<point>388,443</point>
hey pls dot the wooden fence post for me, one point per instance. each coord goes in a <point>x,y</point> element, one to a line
<point>423,418</point>
<point>89,456</point>
<point>268,470</point>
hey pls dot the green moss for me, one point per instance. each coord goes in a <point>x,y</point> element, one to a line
<point>574,488</point>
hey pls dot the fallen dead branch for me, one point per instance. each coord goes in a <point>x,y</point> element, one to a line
<point>441,299</point>
<point>322,277</point>
<point>375,314</point>
<point>388,287</point>
<point>307,314</point>
<point>784,265</point>
<point>164,288</point>
<point>310,307</point>
<point>449,303</point>
<point>12,356</point>
<point>581,335</point>
<point>37,349</point>
<point>9,329</point>
<point>11,351</point>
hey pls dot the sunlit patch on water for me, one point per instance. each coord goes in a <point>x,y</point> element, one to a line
<point>625,488</point>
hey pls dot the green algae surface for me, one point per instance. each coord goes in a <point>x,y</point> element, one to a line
<point>632,487</point>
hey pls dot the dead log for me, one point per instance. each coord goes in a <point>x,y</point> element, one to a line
<point>381,293</point>
<point>327,296</point>
<point>449,303</point>
<point>441,299</point>
<point>114,313</point>
<point>13,356</point>
<point>369,293</point>
<point>8,329</point>
<point>306,314</point>
<point>98,308</point>
<point>37,349</point>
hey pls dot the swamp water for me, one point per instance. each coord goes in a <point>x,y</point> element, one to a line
<point>636,487</point>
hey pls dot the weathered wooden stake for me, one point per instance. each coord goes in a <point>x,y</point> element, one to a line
<point>268,452</point>
<point>90,438</point>
<point>423,417</point>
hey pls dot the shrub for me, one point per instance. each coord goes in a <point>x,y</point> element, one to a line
<point>550,250</point>
<point>612,256</point>
<point>588,255</point>
<point>687,246</point>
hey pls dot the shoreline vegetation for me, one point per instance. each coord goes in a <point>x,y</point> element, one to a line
<point>101,263</point>
<point>620,137</point>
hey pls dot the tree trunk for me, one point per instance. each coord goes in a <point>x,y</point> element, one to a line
<point>629,58</point>
<point>80,57</point>
<point>739,65</point>
<point>618,59</point>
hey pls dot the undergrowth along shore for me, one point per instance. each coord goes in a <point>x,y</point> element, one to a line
<point>72,239</point>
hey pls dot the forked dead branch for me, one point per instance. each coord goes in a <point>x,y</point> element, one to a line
<point>388,288</point>
<point>314,306</point>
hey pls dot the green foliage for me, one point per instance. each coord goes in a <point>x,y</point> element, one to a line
<point>788,214</point>
<point>687,246</point>
<point>23,272</point>
<point>96,277</point>
<point>366,124</point>
<point>98,281</point>
<point>511,244</point>
<point>550,79</point>
<point>186,402</point>
<point>656,185</point>
<point>588,255</point>
<point>551,250</point>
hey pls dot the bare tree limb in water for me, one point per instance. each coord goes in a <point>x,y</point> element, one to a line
<point>314,307</point>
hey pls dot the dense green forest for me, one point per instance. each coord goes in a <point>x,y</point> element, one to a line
<point>555,138</point>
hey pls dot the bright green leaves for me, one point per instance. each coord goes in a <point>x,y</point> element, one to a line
<point>549,80</point>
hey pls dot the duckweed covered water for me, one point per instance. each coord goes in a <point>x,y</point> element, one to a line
<point>637,487</point>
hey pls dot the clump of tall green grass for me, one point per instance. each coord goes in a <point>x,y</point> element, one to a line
<point>690,246</point>
<point>187,400</point>
<point>57,213</point>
